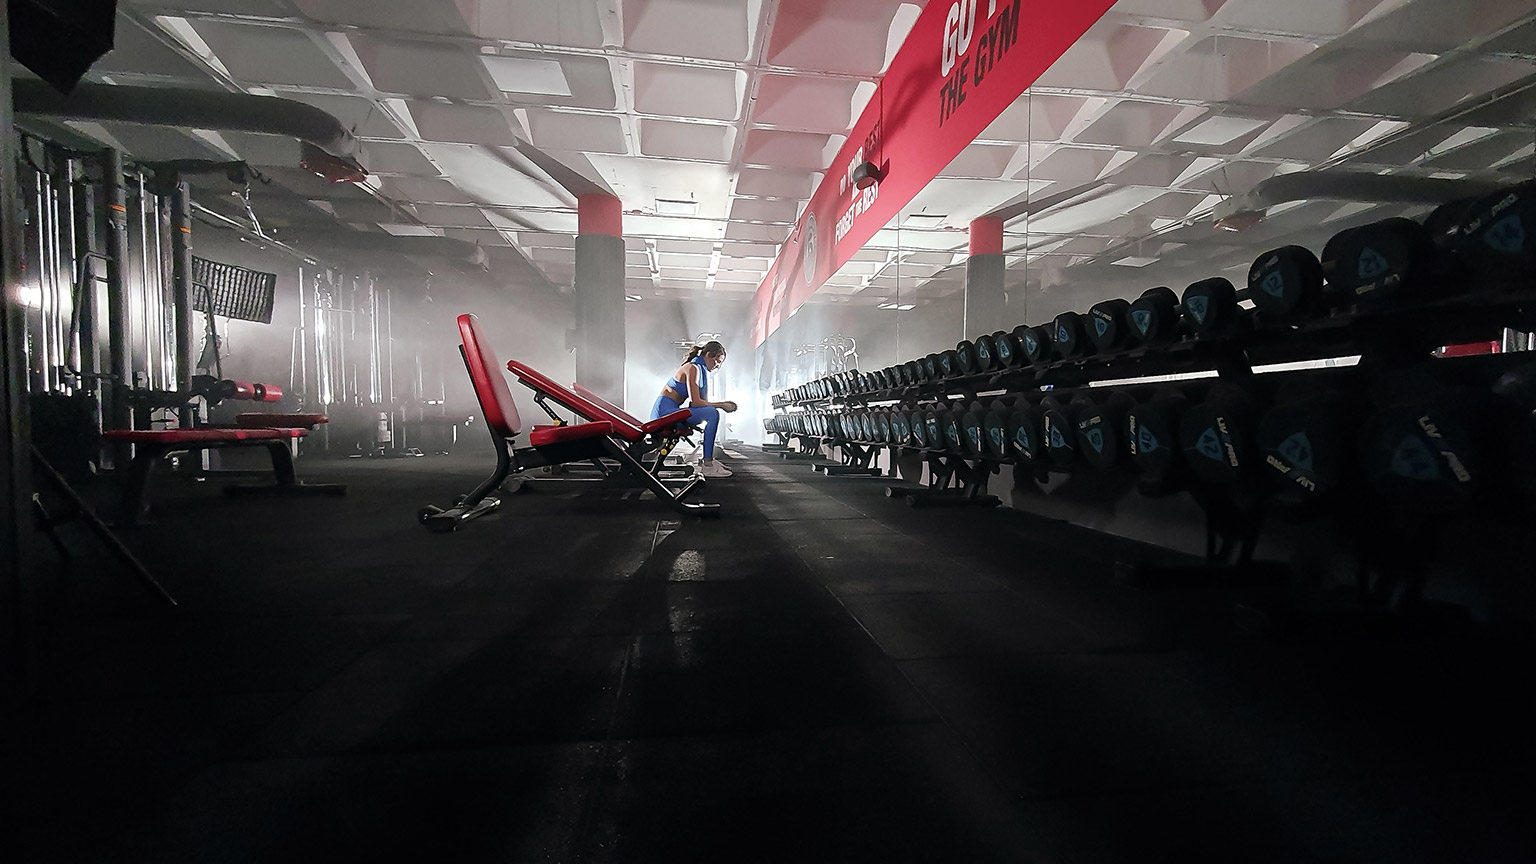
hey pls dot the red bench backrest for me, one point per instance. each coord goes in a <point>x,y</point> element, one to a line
<point>575,402</point>
<point>490,384</point>
<point>617,412</point>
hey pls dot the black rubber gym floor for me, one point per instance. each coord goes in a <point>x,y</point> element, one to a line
<point>823,674</point>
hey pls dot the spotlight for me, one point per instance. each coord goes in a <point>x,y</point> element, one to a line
<point>867,174</point>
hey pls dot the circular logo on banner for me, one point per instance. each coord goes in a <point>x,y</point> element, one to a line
<point>808,250</point>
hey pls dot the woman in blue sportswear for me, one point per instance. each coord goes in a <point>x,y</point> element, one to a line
<point>690,384</point>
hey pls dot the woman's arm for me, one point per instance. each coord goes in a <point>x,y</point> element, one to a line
<point>695,398</point>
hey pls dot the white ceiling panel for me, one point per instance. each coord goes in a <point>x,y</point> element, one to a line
<point>709,29</point>
<point>850,36</point>
<point>1108,56</point>
<point>135,51</point>
<point>421,68</point>
<point>1303,17</point>
<point>685,247</point>
<point>569,23</point>
<point>490,180</point>
<point>1443,86</point>
<point>1219,67</point>
<point>421,16</point>
<point>805,102</point>
<point>985,161</point>
<point>592,133</point>
<point>451,217</point>
<point>363,117</point>
<point>763,183</point>
<point>424,189</point>
<point>1130,124</point>
<point>271,55</point>
<point>1440,25</point>
<point>798,150</point>
<point>1072,164</point>
<point>1035,117</point>
<point>469,124</point>
<point>764,210</point>
<point>674,140</point>
<point>384,158</point>
<point>688,91</point>
<point>1179,10</point>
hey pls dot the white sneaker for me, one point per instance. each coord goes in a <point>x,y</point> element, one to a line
<point>713,469</point>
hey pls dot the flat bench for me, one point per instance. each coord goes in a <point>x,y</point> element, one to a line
<point>153,445</point>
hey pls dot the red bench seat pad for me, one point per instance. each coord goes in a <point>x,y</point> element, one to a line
<point>261,420</point>
<point>543,435</point>
<point>201,436</point>
<point>676,418</point>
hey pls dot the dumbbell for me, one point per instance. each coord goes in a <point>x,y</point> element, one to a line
<point>1287,282</point>
<point>965,357</point>
<point>1424,452</point>
<point>917,428</point>
<point>1108,324</point>
<point>1211,305</point>
<point>1026,440</point>
<point>1100,430</point>
<point>901,430</point>
<point>1305,438</point>
<point>949,364</point>
<point>1069,334</point>
<point>950,420</point>
<point>914,371</point>
<point>933,429</point>
<point>1515,424</point>
<point>986,353</point>
<point>883,420</point>
<point>1494,229</point>
<point>1217,436</point>
<point>931,367</point>
<point>1381,263</point>
<point>994,424</point>
<point>1058,431</point>
<point>1008,350</point>
<point>1154,316</point>
<point>1152,438</point>
<point>1035,343</point>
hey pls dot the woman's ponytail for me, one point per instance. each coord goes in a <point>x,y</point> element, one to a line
<point>692,353</point>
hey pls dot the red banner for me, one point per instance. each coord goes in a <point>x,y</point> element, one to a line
<point>962,64</point>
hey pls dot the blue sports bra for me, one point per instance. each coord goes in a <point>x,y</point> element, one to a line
<point>681,388</point>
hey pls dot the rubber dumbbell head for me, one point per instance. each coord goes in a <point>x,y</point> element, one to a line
<point>1107,324</point>
<point>1155,316</point>
<point>1286,282</point>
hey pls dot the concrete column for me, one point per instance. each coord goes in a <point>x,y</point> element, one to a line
<point>600,296</point>
<point>985,305</point>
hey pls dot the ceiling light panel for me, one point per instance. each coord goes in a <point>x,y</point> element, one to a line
<point>688,28</point>
<point>1219,130</point>
<point>689,91</point>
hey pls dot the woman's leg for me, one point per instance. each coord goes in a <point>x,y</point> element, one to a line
<point>711,418</point>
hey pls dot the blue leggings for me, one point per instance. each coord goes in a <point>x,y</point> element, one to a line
<point>710,417</point>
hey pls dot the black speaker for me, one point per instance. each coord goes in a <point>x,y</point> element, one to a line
<point>59,39</point>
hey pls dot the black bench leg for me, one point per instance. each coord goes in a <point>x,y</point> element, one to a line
<point>282,464</point>
<point>135,503</point>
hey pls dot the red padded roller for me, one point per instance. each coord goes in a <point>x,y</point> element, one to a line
<point>269,393</point>
<point>239,390</point>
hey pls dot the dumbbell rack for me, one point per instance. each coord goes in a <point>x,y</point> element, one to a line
<point>1384,339</point>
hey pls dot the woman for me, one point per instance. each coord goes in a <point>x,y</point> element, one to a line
<point>690,383</point>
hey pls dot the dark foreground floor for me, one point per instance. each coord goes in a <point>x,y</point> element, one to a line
<point>821,675</point>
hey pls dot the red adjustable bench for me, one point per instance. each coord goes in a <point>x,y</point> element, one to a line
<point>153,445</point>
<point>558,444</point>
<point>667,431</point>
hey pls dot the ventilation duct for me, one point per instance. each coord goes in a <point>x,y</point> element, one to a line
<point>1355,186</point>
<point>193,109</point>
